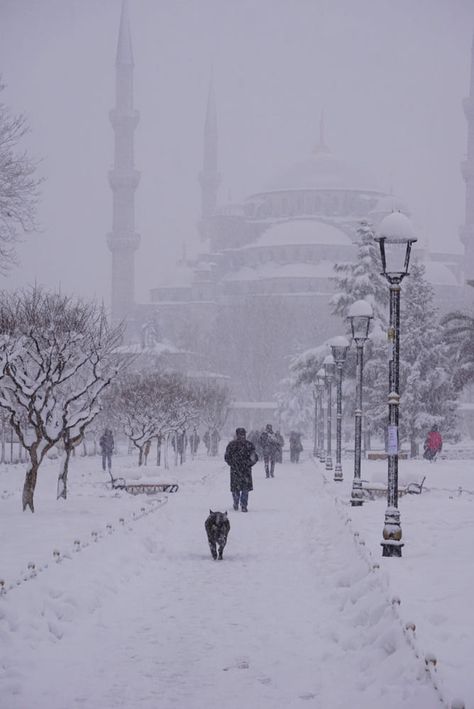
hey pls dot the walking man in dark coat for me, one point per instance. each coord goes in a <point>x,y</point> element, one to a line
<point>240,455</point>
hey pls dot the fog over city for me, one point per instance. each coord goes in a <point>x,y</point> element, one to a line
<point>236,354</point>
<point>389,76</point>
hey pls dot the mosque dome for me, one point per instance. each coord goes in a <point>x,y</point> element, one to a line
<point>302,231</point>
<point>322,171</point>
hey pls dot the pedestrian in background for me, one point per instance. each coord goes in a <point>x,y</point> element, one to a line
<point>433,444</point>
<point>269,445</point>
<point>106,443</point>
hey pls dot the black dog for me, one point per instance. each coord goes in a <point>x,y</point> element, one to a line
<point>217,528</point>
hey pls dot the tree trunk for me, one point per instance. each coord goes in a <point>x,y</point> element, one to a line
<point>63,471</point>
<point>140,456</point>
<point>167,446</point>
<point>4,440</point>
<point>29,485</point>
<point>414,448</point>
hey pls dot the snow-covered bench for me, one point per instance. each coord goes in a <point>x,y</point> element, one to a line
<point>371,490</point>
<point>143,488</point>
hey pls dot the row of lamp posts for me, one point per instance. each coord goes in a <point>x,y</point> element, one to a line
<point>395,241</point>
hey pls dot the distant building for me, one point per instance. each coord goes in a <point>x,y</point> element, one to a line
<point>260,291</point>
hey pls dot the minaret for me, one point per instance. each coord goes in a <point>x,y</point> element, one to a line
<point>467,168</point>
<point>321,147</point>
<point>209,177</point>
<point>123,179</point>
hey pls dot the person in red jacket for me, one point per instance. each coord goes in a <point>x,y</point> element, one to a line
<point>433,444</point>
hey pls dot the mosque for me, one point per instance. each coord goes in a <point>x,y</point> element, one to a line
<point>260,290</point>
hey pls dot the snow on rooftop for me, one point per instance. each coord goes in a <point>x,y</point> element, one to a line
<point>324,269</point>
<point>158,348</point>
<point>204,374</point>
<point>302,231</point>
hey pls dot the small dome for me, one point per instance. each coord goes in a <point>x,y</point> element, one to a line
<point>302,231</point>
<point>182,277</point>
<point>439,274</point>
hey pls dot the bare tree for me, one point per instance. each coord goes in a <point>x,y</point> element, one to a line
<point>19,185</point>
<point>57,354</point>
<point>214,401</point>
<point>150,404</point>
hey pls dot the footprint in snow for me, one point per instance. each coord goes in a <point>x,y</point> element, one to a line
<point>240,665</point>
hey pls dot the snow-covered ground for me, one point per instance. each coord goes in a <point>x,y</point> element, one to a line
<point>302,612</point>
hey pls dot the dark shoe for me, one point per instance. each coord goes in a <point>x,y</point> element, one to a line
<point>236,507</point>
<point>267,476</point>
<point>244,509</point>
<point>272,476</point>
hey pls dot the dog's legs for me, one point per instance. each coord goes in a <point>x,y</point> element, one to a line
<point>221,549</point>
<point>213,548</point>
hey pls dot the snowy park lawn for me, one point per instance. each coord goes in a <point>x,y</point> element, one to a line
<point>133,612</point>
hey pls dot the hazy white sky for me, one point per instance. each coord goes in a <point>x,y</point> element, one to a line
<point>389,74</point>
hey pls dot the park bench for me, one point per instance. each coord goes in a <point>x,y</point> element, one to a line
<point>382,455</point>
<point>372,490</point>
<point>143,488</point>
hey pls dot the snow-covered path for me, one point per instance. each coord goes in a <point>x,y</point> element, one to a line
<point>292,617</point>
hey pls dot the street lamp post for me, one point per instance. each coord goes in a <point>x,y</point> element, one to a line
<point>321,384</point>
<point>360,315</point>
<point>339,347</point>
<point>316,413</point>
<point>395,241</point>
<point>329,371</point>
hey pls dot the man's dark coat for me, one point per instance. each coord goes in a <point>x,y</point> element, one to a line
<point>240,455</point>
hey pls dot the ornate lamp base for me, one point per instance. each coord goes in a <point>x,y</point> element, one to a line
<point>392,533</point>
<point>356,498</point>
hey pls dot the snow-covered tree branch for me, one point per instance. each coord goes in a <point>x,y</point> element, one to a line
<point>214,401</point>
<point>57,354</point>
<point>150,404</point>
<point>19,185</point>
